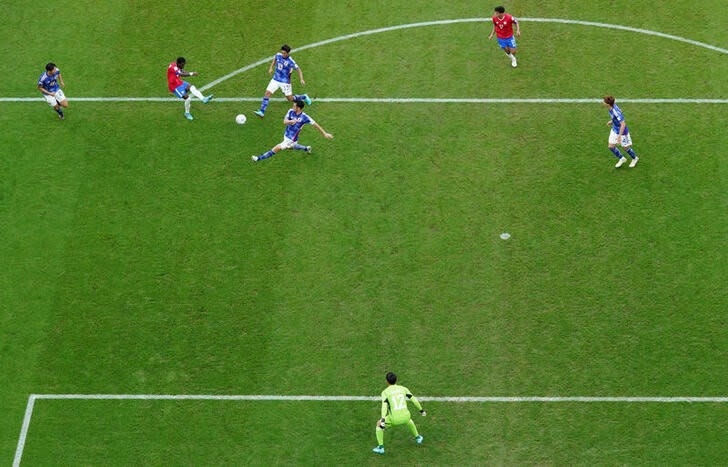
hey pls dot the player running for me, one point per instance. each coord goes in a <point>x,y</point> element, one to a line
<point>619,134</point>
<point>503,28</point>
<point>295,119</point>
<point>284,66</point>
<point>395,412</point>
<point>181,88</point>
<point>48,85</point>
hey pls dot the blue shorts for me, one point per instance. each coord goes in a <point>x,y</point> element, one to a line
<point>181,90</point>
<point>510,42</point>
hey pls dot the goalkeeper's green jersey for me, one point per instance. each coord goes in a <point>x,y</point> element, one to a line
<point>394,402</point>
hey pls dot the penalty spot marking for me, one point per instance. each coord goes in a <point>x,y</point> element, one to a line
<point>466,20</point>
<point>256,397</point>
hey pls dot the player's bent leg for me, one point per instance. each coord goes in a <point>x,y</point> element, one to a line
<point>514,62</point>
<point>264,104</point>
<point>628,149</point>
<point>59,111</point>
<point>268,154</point>
<point>188,104</point>
<point>412,428</point>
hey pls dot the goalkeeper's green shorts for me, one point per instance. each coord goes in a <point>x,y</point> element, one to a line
<point>395,420</point>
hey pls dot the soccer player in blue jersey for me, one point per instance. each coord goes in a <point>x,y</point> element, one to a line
<point>284,65</point>
<point>619,133</point>
<point>48,85</point>
<point>294,120</point>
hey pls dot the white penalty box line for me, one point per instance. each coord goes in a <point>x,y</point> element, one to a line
<point>397,100</point>
<point>262,397</point>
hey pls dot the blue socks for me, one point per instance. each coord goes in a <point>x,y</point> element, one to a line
<point>616,152</point>
<point>298,97</point>
<point>264,105</point>
<point>266,155</point>
<point>299,147</point>
<point>59,111</point>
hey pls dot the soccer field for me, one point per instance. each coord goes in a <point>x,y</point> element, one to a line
<point>144,254</point>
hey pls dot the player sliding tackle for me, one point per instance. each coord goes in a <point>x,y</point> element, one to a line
<point>395,412</point>
<point>181,88</point>
<point>295,119</point>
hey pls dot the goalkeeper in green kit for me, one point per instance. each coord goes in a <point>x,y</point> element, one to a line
<point>395,412</point>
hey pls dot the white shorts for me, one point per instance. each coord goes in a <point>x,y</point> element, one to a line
<point>274,85</point>
<point>55,99</point>
<point>287,143</point>
<point>626,139</point>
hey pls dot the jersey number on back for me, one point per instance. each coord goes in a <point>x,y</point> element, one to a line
<point>399,402</point>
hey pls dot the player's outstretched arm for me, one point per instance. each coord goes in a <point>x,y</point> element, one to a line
<point>270,68</point>
<point>518,27</point>
<point>323,132</point>
<point>492,31</point>
<point>60,80</point>
<point>416,403</point>
<point>300,76</point>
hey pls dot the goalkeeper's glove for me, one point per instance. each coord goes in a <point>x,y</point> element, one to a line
<point>423,413</point>
<point>382,424</point>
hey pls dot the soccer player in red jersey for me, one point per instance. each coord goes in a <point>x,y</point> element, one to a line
<point>503,28</point>
<point>181,88</point>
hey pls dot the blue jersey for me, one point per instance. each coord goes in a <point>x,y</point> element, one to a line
<point>617,119</point>
<point>49,82</point>
<point>292,131</point>
<point>284,67</point>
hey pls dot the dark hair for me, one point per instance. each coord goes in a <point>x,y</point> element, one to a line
<point>609,100</point>
<point>286,48</point>
<point>181,61</point>
<point>300,104</point>
<point>500,9</point>
<point>50,66</point>
<point>391,378</point>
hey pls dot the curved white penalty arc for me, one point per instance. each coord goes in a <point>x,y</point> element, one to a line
<point>467,20</point>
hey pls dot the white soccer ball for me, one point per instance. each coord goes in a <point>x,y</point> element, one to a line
<point>240,119</point>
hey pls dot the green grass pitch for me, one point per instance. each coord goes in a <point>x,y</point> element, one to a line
<point>144,254</point>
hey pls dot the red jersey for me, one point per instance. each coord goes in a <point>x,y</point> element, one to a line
<point>504,26</point>
<point>173,76</point>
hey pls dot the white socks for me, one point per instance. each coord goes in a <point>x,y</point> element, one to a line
<point>187,105</point>
<point>196,93</point>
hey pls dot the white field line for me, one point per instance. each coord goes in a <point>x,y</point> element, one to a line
<point>275,397</point>
<point>262,397</point>
<point>398,100</point>
<point>465,20</point>
<point>24,430</point>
